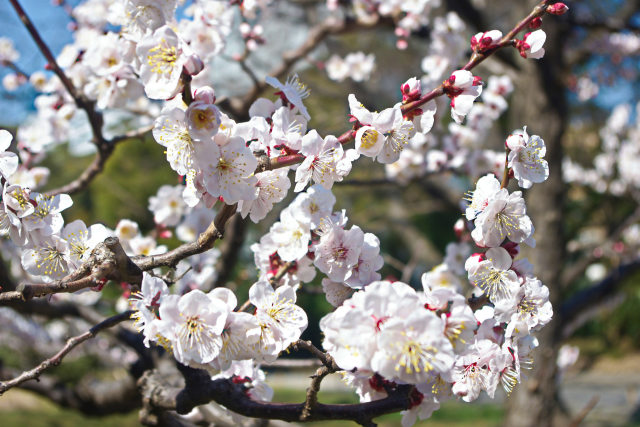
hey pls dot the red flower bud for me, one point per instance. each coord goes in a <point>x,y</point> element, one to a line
<point>557,9</point>
<point>535,23</point>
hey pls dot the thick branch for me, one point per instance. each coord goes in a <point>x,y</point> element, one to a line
<point>70,345</point>
<point>200,389</point>
<point>108,261</point>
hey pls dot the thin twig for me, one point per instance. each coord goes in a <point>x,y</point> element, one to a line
<point>575,422</point>
<point>70,345</point>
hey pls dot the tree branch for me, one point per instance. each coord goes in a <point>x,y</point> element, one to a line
<point>95,117</point>
<point>201,389</point>
<point>586,298</point>
<point>108,261</point>
<point>577,270</point>
<point>70,345</point>
<point>203,243</point>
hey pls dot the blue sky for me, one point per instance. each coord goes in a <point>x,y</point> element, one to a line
<point>51,21</point>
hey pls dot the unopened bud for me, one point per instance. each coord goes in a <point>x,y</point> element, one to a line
<point>535,23</point>
<point>459,227</point>
<point>557,9</point>
<point>193,65</point>
<point>205,94</point>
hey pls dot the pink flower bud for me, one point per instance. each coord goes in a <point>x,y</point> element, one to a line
<point>535,23</point>
<point>557,9</point>
<point>205,94</point>
<point>193,65</point>
<point>459,227</point>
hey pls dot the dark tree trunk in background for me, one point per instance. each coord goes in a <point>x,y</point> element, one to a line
<point>539,101</point>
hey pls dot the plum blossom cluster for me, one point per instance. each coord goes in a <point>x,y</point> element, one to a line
<point>615,166</point>
<point>408,16</point>
<point>457,147</point>
<point>203,330</point>
<point>384,135</point>
<point>388,334</point>
<point>356,66</point>
<point>309,236</point>
<point>49,249</point>
<point>217,156</point>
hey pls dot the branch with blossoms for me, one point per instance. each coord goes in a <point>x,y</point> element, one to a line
<point>400,349</point>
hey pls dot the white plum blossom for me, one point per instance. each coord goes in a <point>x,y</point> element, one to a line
<point>293,90</point>
<point>48,260</point>
<point>338,252</point>
<point>282,322</point>
<point>356,66</point>
<point>141,16</point>
<point>369,262</point>
<point>531,44</point>
<point>288,128</point>
<point>8,160</point>
<point>146,303</point>
<point>472,373</point>
<point>486,188</point>
<point>413,349</point>
<point>194,223</point>
<point>171,131</point>
<point>320,163</point>
<point>228,170</point>
<point>161,57</point>
<point>193,323</point>
<point>8,52</point>
<point>46,218</point>
<point>528,311</point>
<point>290,236</point>
<point>351,331</point>
<point>271,187</point>
<point>456,255</point>
<point>17,206</point>
<point>481,42</point>
<point>313,205</point>
<point>526,158</point>
<point>494,277</point>
<point>83,240</point>
<point>504,216</point>
<point>463,90</point>
<point>336,293</point>
<point>145,245</point>
<point>167,205</point>
<point>383,135</point>
<point>203,120</point>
